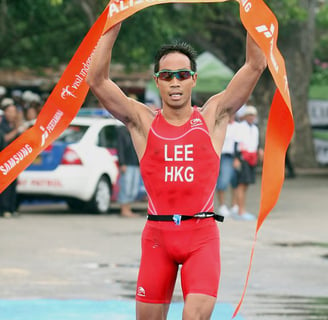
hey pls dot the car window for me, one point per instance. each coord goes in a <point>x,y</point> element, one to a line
<point>73,134</point>
<point>108,137</point>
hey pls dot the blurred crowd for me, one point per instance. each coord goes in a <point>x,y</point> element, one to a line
<point>17,109</point>
<point>27,104</point>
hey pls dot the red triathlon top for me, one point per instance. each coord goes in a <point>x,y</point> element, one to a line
<point>180,167</point>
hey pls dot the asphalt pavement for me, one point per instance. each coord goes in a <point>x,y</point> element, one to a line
<point>50,253</point>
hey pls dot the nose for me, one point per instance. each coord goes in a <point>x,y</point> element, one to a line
<point>174,82</point>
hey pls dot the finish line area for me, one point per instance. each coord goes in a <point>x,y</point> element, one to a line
<point>49,309</point>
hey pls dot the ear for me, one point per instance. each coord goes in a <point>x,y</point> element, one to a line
<point>156,81</point>
<point>194,78</point>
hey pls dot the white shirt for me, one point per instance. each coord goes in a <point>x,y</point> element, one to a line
<point>249,137</point>
<point>232,136</point>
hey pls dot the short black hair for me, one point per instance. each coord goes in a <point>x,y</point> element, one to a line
<point>181,47</point>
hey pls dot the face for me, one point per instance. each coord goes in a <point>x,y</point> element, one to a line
<point>250,118</point>
<point>11,114</point>
<point>175,93</point>
<point>31,114</point>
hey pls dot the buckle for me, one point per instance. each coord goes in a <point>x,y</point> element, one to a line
<point>177,219</point>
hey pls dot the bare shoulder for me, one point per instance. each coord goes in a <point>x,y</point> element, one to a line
<point>140,125</point>
<point>142,118</point>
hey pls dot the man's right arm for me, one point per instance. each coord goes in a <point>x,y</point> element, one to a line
<point>107,92</point>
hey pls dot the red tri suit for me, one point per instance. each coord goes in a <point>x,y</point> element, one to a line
<point>179,169</point>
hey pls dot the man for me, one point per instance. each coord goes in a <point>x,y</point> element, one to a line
<point>129,180</point>
<point>10,130</point>
<point>248,154</point>
<point>178,149</point>
<point>228,169</point>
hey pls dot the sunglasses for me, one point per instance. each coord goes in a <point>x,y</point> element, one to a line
<point>181,74</point>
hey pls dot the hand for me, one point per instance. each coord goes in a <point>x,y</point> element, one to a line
<point>123,168</point>
<point>261,154</point>
<point>236,164</point>
<point>22,128</point>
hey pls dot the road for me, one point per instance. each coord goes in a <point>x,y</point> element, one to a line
<point>50,253</point>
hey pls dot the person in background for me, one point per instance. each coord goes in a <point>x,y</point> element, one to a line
<point>10,129</point>
<point>3,92</point>
<point>228,173</point>
<point>129,180</point>
<point>290,173</point>
<point>248,153</point>
<point>31,113</point>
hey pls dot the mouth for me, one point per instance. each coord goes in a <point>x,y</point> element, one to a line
<point>175,95</point>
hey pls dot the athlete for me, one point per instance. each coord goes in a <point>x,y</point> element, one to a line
<point>178,148</point>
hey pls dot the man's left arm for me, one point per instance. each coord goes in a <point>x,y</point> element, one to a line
<point>244,81</point>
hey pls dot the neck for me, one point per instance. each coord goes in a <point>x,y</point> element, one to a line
<point>177,116</point>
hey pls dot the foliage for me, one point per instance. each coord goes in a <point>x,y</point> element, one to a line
<point>41,33</point>
<point>36,33</point>
<point>320,74</point>
<point>144,32</point>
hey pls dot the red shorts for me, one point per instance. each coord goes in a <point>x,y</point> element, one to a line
<point>195,244</point>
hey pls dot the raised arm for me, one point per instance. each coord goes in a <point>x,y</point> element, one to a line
<point>218,108</point>
<point>245,80</point>
<point>107,92</point>
<point>243,83</point>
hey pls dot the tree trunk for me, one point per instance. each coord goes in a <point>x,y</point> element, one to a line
<point>298,48</point>
<point>296,44</point>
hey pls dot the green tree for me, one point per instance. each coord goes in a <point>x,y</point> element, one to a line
<point>38,33</point>
<point>42,33</point>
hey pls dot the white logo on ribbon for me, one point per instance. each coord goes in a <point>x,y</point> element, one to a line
<point>44,136</point>
<point>268,33</point>
<point>66,93</point>
<point>50,126</point>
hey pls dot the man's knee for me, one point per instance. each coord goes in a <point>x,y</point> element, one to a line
<point>198,307</point>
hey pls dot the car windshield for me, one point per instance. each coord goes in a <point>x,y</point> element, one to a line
<point>73,134</point>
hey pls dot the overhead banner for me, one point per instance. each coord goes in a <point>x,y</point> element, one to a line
<point>69,94</point>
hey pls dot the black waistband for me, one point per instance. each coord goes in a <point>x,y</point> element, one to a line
<point>176,218</point>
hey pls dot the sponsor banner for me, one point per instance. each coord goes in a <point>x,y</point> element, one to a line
<point>60,108</point>
<point>70,92</point>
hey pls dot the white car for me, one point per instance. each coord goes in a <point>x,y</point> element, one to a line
<point>81,166</point>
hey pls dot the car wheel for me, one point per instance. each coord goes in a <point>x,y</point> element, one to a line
<point>100,202</point>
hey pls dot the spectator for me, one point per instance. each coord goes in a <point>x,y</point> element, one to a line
<point>228,173</point>
<point>248,154</point>
<point>129,180</point>
<point>3,92</point>
<point>10,130</point>
<point>289,165</point>
<point>31,113</point>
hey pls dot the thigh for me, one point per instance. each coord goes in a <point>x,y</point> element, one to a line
<point>198,277</point>
<point>157,272</point>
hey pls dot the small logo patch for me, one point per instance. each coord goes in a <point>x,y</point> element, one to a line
<point>141,292</point>
<point>196,122</point>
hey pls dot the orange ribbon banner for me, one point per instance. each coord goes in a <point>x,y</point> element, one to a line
<point>69,94</point>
